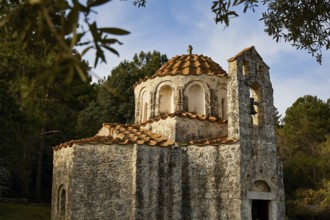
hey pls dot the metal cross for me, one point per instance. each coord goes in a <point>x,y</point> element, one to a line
<point>190,48</point>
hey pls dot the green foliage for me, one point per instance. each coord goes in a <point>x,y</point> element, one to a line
<point>305,24</point>
<point>55,25</point>
<point>11,120</point>
<point>304,145</point>
<point>277,118</point>
<point>115,101</point>
<point>223,12</point>
<point>311,202</point>
<point>35,121</point>
<point>312,116</point>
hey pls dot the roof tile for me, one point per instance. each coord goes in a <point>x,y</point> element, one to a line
<point>182,114</point>
<point>188,65</point>
<point>135,134</point>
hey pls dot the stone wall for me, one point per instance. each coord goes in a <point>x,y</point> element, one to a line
<point>210,182</point>
<point>180,129</point>
<point>144,182</point>
<point>158,183</point>
<point>62,179</point>
<point>188,183</point>
<point>259,159</point>
<point>101,181</point>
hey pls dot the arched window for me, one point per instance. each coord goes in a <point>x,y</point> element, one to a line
<point>196,99</point>
<point>144,107</point>
<point>61,201</point>
<point>166,99</point>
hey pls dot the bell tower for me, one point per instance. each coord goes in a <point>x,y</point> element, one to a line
<point>251,120</point>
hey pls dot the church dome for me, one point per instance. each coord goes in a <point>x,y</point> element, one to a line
<point>190,64</point>
<point>188,83</point>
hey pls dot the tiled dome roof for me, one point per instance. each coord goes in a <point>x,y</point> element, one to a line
<point>190,64</point>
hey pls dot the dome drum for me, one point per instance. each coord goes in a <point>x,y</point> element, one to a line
<point>202,95</point>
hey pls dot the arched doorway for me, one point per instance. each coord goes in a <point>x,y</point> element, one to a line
<point>260,196</point>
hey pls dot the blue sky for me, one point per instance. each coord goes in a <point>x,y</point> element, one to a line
<point>169,26</point>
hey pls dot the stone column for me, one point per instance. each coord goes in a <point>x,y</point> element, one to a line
<point>180,99</point>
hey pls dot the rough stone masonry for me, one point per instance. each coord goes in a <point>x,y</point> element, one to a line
<point>202,147</point>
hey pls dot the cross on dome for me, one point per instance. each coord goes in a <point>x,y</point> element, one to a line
<point>189,50</point>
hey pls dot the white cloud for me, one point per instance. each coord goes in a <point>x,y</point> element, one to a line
<point>170,26</point>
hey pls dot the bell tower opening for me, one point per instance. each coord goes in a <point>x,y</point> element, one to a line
<point>255,104</point>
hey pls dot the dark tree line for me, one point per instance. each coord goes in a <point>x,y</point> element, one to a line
<point>34,121</point>
<point>46,94</point>
<point>304,144</point>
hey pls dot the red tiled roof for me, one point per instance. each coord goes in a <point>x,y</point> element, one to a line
<point>191,65</point>
<point>91,140</point>
<point>188,65</point>
<point>182,114</point>
<point>122,134</point>
<point>134,134</point>
<point>213,141</point>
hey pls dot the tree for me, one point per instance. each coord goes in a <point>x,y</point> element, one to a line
<point>307,123</point>
<point>45,117</point>
<point>9,116</point>
<point>115,101</point>
<point>304,145</point>
<point>14,152</point>
<point>305,24</point>
<point>60,26</point>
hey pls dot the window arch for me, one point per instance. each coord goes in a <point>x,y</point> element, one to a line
<point>260,186</point>
<point>166,100</point>
<point>196,99</point>
<point>61,200</point>
<point>144,107</point>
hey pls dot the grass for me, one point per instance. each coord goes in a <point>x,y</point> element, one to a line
<point>12,211</point>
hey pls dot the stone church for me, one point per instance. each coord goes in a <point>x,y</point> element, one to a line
<point>202,147</point>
